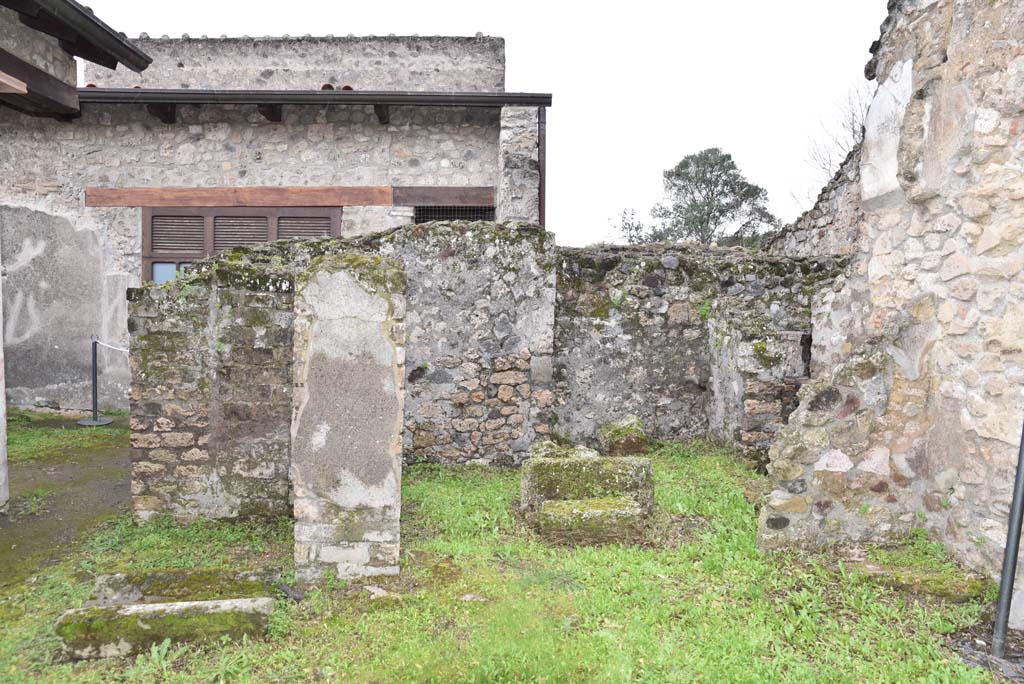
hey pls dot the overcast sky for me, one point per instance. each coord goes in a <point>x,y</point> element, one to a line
<point>637,85</point>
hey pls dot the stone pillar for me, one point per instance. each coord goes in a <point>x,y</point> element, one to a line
<point>347,421</point>
<point>518,166</point>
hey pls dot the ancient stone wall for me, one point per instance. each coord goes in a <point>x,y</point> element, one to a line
<point>38,49</point>
<point>919,422</point>
<point>426,63</point>
<point>691,340</point>
<point>480,323</point>
<point>211,397</point>
<point>481,303</point>
<point>518,192</point>
<point>69,265</point>
<point>832,225</point>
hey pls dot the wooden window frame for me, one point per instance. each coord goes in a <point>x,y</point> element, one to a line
<point>209,214</point>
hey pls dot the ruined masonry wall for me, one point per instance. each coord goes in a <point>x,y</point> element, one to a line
<point>832,225</point>
<point>210,399</point>
<point>690,340</point>
<point>306,63</point>
<point>918,421</point>
<point>481,304</point>
<point>38,49</point>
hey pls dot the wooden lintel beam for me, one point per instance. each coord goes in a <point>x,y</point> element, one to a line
<point>383,113</point>
<point>165,112</point>
<point>9,84</point>
<point>294,196</point>
<point>271,112</point>
<point>427,196</point>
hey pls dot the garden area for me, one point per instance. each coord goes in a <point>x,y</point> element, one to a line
<point>481,599</point>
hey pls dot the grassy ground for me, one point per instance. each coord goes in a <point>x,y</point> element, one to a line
<point>480,600</point>
<point>32,435</point>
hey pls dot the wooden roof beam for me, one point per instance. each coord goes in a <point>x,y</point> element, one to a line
<point>14,86</point>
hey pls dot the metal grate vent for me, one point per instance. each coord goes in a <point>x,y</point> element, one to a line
<point>305,227</point>
<point>178,235</point>
<point>456,213</point>
<point>238,231</point>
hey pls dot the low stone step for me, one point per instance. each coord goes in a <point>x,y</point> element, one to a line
<point>586,477</point>
<point>129,613</point>
<point>605,520</point>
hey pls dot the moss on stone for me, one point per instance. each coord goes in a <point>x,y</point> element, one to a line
<point>179,585</point>
<point>574,477</point>
<point>123,630</point>
<point>591,521</point>
<point>623,437</point>
<point>764,356</point>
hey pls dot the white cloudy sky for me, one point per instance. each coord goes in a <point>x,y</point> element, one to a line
<point>637,85</point>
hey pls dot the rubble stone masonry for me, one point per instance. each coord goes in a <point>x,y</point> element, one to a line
<point>915,416</point>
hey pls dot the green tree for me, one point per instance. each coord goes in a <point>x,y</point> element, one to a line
<point>707,199</point>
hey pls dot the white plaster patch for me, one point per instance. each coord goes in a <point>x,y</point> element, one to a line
<point>319,439</point>
<point>986,120</point>
<point>879,162</point>
<point>835,461</point>
<point>352,492</point>
<point>877,462</point>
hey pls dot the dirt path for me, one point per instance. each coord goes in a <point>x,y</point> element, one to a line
<point>55,501</point>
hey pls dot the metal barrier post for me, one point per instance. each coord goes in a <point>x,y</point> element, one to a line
<point>96,418</point>
<point>1010,558</point>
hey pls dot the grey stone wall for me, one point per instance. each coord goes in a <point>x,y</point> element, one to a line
<point>5,492</point>
<point>688,339</point>
<point>38,49</point>
<point>915,417</point>
<point>518,192</point>
<point>481,303</point>
<point>55,276</point>
<point>86,257</point>
<point>832,225</point>
<point>211,396</point>
<point>306,63</point>
<point>346,461</point>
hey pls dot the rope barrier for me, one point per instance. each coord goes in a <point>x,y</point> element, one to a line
<point>109,346</point>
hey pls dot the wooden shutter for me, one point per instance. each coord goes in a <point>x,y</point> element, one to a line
<point>239,231</point>
<point>179,235</point>
<point>183,235</point>
<point>307,227</point>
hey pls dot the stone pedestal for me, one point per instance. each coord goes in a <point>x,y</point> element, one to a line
<point>347,427</point>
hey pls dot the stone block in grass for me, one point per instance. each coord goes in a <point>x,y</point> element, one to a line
<point>573,478</point>
<point>129,613</point>
<point>604,520</point>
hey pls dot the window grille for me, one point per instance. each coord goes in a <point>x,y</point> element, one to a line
<point>424,214</point>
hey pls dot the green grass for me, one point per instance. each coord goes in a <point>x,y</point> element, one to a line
<point>33,435</point>
<point>709,608</point>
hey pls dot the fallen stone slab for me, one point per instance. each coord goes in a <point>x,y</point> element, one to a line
<point>103,632</point>
<point>128,613</point>
<point>591,521</point>
<point>576,478</point>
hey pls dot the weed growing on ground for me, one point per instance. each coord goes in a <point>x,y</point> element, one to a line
<point>480,599</point>
<point>36,436</point>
